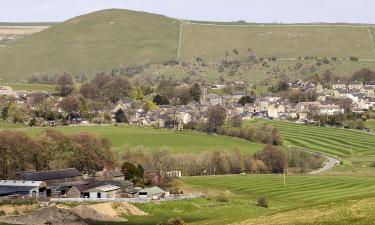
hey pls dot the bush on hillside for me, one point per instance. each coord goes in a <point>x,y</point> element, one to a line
<point>262,202</point>
<point>176,221</point>
<point>222,198</point>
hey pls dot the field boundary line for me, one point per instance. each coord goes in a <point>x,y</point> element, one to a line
<point>179,42</point>
<point>278,25</point>
<point>371,39</point>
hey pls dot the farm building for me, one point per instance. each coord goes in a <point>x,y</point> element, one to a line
<point>153,192</point>
<point>83,189</point>
<point>20,187</point>
<point>51,176</point>
<point>105,191</point>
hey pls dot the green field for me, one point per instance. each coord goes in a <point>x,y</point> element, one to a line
<point>333,141</point>
<point>184,141</point>
<point>31,87</point>
<point>9,125</point>
<point>370,124</point>
<point>306,192</point>
<point>109,39</point>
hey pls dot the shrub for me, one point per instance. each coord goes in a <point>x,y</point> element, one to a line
<point>222,198</point>
<point>325,60</point>
<point>353,58</point>
<point>176,221</point>
<point>2,213</point>
<point>372,164</point>
<point>262,202</point>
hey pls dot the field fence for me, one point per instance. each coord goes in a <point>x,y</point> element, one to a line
<point>128,200</point>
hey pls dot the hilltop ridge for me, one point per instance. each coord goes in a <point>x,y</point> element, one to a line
<point>112,38</point>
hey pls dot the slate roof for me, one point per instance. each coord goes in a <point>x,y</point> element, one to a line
<point>115,173</point>
<point>355,82</point>
<point>49,175</point>
<point>338,82</point>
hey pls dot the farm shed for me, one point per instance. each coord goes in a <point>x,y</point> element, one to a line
<point>51,176</point>
<point>153,192</point>
<point>19,187</point>
<point>105,191</point>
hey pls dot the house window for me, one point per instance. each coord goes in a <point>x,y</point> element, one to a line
<point>99,195</point>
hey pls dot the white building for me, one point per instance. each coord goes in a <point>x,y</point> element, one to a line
<point>34,189</point>
<point>105,191</point>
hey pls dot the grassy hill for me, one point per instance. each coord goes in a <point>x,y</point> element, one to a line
<point>107,39</point>
<point>98,41</point>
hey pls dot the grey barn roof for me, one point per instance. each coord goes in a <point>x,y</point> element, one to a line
<point>49,175</point>
<point>11,187</point>
<point>13,190</point>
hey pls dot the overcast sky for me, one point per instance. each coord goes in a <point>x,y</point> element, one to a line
<point>287,11</point>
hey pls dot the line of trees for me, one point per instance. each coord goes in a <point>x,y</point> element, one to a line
<point>52,150</point>
<point>270,160</point>
<point>261,133</point>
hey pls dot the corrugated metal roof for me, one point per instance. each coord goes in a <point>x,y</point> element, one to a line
<point>21,183</point>
<point>13,190</point>
<point>153,190</point>
<point>104,188</point>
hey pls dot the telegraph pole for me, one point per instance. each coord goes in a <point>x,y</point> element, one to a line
<point>284,178</point>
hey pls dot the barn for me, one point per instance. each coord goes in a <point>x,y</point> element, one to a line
<point>35,189</point>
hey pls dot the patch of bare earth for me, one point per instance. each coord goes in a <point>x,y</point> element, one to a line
<point>18,209</point>
<point>21,30</point>
<point>48,215</point>
<point>106,211</point>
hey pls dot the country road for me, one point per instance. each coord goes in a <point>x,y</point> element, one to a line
<point>328,164</point>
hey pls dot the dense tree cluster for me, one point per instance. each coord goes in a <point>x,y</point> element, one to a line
<point>65,84</point>
<point>52,150</point>
<point>364,75</point>
<point>216,117</point>
<point>296,96</point>
<point>107,88</point>
<point>261,133</point>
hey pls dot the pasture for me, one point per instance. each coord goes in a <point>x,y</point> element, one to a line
<point>370,124</point>
<point>31,87</point>
<point>9,125</point>
<point>306,192</point>
<point>153,139</point>
<point>344,143</point>
<point>282,41</point>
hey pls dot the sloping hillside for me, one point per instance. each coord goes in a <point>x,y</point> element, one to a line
<point>283,41</point>
<point>94,42</point>
<point>107,39</point>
